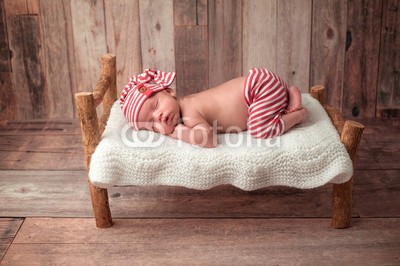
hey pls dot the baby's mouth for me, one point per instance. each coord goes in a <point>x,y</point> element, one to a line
<point>168,119</point>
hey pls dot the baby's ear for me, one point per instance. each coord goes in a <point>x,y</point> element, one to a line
<point>171,92</point>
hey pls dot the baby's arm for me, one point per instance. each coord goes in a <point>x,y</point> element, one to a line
<point>196,132</point>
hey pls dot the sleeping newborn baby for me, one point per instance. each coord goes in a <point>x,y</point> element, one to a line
<point>260,102</point>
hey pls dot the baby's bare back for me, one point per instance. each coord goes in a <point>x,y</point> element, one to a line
<point>222,106</point>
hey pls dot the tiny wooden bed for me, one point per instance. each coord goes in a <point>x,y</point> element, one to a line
<point>106,92</point>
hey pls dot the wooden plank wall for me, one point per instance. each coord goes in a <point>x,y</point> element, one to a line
<point>49,50</point>
<point>362,57</point>
<point>328,47</point>
<point>191,34</point>
<point>7,97</point>
<point>388,101</point>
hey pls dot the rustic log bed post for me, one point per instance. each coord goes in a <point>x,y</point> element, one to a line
<point>350,134</point>
<point>92,128</point>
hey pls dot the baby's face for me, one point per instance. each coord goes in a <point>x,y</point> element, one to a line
<point>160,113</point>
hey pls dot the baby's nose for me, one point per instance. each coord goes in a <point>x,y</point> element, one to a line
<point>158,117</point>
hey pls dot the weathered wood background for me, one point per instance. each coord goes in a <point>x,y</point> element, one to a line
<point>50,50</point>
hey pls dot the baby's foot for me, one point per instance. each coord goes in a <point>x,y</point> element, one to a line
<point>294,100</point>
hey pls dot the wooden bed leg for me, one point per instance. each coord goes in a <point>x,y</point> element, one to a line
<point>342,202</point>
<point>101,207</point>
<point>90,138</point>
<point>342,193</point>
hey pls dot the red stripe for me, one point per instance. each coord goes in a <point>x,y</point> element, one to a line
<point>266,96</point>
<point>269,106</point>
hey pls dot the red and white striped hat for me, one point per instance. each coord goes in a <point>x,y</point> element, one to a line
<point>139,89</point>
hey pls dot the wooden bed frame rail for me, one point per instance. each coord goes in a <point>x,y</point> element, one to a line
<point>106,92</point>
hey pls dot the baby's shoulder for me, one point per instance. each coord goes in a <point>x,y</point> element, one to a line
<point>191,111</point>
<point>189,107</point>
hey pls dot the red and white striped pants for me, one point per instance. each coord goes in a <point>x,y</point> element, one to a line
<point>266,96</point>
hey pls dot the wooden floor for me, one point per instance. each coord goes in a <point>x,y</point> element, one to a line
<point>46,217</point>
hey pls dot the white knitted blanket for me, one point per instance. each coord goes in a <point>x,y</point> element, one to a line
<point>307,156</point>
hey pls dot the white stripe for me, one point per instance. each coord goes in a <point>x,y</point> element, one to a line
<point>129,102</point>
<point>262,131</point>
<point>255,119</point>
<point>267,89</point>
<point>256,87</point>
<point>278,101</point>
<point>253,80</point>
<point>167,79</point>
<point>262,105</point>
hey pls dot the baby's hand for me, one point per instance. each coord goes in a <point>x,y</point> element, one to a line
<point>177,129</point>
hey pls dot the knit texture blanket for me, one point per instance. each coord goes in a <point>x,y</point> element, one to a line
<point>307,156</point>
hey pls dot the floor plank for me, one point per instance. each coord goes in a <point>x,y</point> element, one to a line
<point>44,193</point>
<point>375,153</point>
<point>41,144</point>
<point>8,229</point>
<point>66,194</point>
<point>377,193</point>
<point>41,127</point>
<point>205,241</point>
<point>33,160</point>
<point>35,152</point>
<point>222,201</point>
<point>37,143</point>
